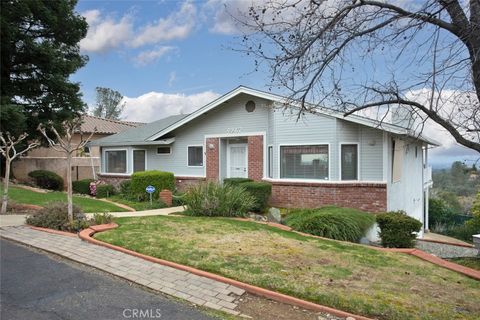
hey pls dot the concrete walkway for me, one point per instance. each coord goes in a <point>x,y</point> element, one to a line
<point>144,213</point>
<point>181,284</point>
<point>440,237</point>
<point>12,220</point>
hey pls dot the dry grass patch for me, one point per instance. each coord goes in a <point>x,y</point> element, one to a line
<point>346,276</point>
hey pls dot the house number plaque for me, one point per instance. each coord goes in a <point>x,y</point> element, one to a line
<point>234,130</point>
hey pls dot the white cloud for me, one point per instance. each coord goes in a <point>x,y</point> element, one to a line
<point>225,13</point>
<point>177,25</point>
<point>157,105</point>
<point>150,56</point>
<point>105,33</point>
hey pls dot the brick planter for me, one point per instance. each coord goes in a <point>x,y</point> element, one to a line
<point>166,197</point>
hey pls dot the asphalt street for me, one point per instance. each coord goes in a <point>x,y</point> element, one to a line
<point>36,285</point>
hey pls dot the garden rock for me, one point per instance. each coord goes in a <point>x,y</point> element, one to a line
<point>258,217</point>
<point>274,215</point>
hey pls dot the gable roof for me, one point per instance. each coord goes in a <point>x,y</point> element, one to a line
<point>158,129</point>
<point>106,126</point>
<point>139,135</point>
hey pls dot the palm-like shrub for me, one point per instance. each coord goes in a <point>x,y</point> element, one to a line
<point>214,199</point>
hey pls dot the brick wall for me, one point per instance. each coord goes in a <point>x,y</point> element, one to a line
<point>364,196</point>
<point>212,159</point>
<point>182,183</point>
<point>255,157</point>
<point>113,180</point>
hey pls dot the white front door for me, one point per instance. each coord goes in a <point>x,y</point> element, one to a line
<point>237,161</point>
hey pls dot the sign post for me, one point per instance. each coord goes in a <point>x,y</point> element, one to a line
<point>150,190</point>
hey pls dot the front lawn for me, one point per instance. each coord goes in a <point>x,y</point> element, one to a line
<point>346,276</point>
<point>24,196</point>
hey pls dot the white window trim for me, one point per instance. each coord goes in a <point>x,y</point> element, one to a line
<point>104,164</point>
<point>340,161</point>
<point>203,155</point>
<point>146,157</point>
<point>163,154</point>
<point>268,162</point>
<point>228,156</point>
<point>279,162</point>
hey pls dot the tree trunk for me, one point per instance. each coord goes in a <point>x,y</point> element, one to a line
<point>5,186</point>
<point>69,188</point>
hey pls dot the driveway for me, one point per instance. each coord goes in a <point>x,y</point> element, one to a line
<point>41,286</point>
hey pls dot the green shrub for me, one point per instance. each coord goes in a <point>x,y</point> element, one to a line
<point>102,218</point>
<point>213,199</point>
<point>47,179</point>
<point>397,229</point>
<point>439,213</point>
<point>125,188</point>
<point>261,191</point>
<point>159,179</point>
<point>105,190</point>
<point>54,216</point>
<point>82,186</point>
<point>236,181</point>
<point>331,222</point>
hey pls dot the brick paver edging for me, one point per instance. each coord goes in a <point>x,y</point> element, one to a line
<point>87,234</point>
<point>469,272</point>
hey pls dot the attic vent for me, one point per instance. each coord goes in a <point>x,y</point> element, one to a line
<point>250,106</point>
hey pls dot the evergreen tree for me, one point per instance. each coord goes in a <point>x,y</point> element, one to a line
<point>109,104</point>
<point>39,51</point>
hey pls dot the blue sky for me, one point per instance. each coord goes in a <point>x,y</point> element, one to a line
<point>170,57</point>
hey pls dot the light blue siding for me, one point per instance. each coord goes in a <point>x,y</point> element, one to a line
<point>281,127</point>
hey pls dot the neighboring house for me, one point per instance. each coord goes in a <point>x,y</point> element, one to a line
<point>86,163</point>
<point>321,159</point>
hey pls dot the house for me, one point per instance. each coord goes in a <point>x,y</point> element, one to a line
<point>321,159</point>
<point>85,165</point>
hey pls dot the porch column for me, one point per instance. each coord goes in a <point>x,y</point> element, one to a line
<point>255,157</point>
<point>212,158</point>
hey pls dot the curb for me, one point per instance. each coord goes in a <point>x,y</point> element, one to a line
<point>87,234</point>
<point>62,233</point>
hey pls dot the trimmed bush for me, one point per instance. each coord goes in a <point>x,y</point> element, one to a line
<point>47,179</point>
<point>236,181</point>
<point>82,186</point>
<point>105,190</point>
<point>54,216</point>
<point>159,179</point>
<point>261,191</point>
<point>213,199</point>
<point>331,222</point>
<point>397,229</point>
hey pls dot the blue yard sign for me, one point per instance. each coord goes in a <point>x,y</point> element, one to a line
<point>150,190</point>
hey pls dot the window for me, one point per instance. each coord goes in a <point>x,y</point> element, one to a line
<point>270,162</point>
<point>349,161</point>
<point>138,160</point>
<point>304,162</point>
<point>116,161</point>
<point>164,150</point>
<point>195,156</point>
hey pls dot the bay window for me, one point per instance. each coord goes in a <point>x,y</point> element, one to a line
<point>304,162</point>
